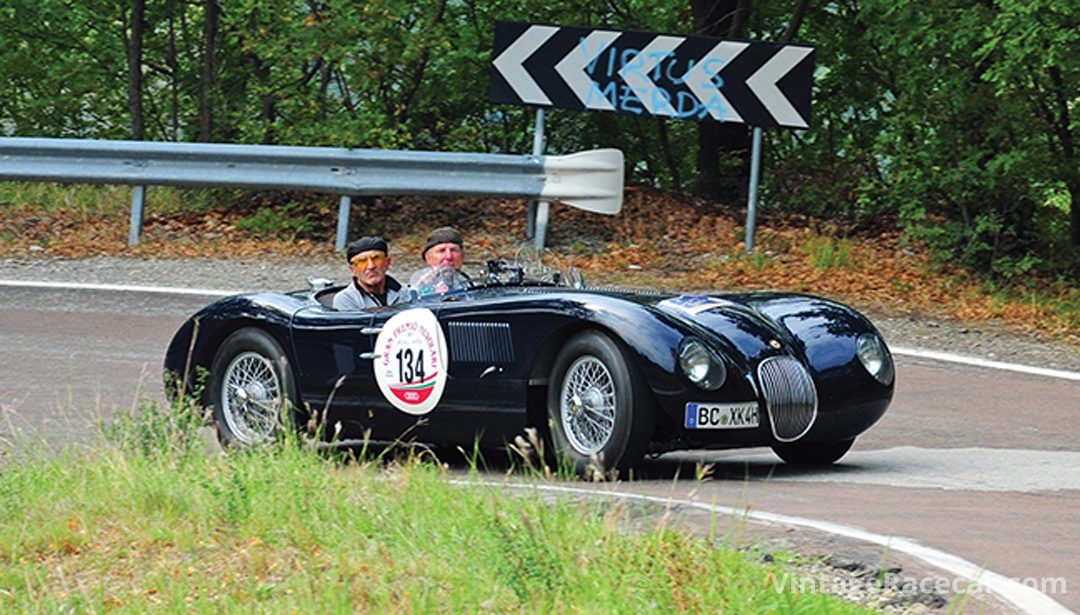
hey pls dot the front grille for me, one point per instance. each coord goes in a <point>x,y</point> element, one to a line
<point>790,397</point>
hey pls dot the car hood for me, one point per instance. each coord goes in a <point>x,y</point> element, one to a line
<point>752,325</point>
<point>729,320</point>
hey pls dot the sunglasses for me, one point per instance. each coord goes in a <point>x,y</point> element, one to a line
<point>374,259</point>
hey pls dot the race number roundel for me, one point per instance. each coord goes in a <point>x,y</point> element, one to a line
<point>411,366</point>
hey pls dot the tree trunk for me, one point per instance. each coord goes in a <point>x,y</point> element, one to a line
<point>269,103</point>
<point>173,62</point>
<point>208,76</point>
<point>135,76</point>
<point>796,21</point>
<point>1074,214</point>
<point>723,159</point>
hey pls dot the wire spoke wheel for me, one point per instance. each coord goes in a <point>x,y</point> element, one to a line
<point>251,398</point>
<point>600,413</point>
<point>252,393</point>
<point>587,410</point>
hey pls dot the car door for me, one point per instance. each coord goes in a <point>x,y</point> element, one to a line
<point>334,352</point>
<point>476,398</point>
<point>486,381</point>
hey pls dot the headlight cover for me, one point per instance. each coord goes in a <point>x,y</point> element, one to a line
<point>875,358</point>
<point>701,366</point>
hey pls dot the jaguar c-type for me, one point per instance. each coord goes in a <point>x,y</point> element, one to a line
<point>607,376</point>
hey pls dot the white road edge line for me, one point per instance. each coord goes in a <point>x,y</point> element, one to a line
<point>121,288</point>
<point>935,355</point>
<point>1013,591</point>
<point>949,357</point>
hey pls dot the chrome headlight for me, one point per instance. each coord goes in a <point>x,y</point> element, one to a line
<point>875,358</point>
<point>701,366</point>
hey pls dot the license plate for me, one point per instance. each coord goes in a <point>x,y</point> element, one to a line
<point>741,415</point>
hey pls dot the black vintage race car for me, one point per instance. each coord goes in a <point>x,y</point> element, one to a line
<point>607,375</point>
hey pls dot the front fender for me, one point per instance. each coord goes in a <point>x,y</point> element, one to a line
<point>826,334</point>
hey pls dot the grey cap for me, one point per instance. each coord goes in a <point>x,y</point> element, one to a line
<point>446,234</point>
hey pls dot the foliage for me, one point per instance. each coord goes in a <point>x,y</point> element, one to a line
<point>61,69</point>
<point>959,124</point>
<point>285,222</point>
<point>957,118</point>
<point>828,253</point>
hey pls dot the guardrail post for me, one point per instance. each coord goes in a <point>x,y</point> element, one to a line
<point>542,208</point>
<point>343,222</point>
<point>138,199</point>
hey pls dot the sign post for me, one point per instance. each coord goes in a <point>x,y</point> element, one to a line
<point>536,225</point>
<point>751,199</point>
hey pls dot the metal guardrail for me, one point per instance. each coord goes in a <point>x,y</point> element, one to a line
<point>590,180</point>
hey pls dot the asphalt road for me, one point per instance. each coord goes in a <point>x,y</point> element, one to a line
<point>979,464</point>
<point>70,358</point>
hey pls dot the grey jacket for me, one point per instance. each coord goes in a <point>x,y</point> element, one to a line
<point>352,297</point>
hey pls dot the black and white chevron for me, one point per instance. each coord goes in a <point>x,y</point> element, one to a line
<point>756,83</point>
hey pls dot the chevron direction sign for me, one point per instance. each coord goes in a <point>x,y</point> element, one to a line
<point>757,83</point>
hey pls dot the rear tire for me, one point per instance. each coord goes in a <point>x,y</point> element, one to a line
<point>600,413</point>
<point>252,390</point>
<point>810,454</point>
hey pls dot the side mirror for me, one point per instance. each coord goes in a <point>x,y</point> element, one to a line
<point>317,284</point>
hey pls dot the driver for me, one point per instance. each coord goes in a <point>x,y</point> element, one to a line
<point>371,286</point>
<point>444,254</point>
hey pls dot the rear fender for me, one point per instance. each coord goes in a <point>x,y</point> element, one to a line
<point>191,351</point>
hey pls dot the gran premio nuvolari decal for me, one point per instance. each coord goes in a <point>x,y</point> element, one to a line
<point>411,365</point>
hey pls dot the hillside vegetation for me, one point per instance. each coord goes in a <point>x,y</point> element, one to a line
<point>659,240</point>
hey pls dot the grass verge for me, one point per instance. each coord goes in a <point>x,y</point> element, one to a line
<point>149,521</point>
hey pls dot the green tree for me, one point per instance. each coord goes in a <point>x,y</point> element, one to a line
<point>926,110</point>
<point>958,117</point>
<point>1031,47</point>
<point>58,69</point>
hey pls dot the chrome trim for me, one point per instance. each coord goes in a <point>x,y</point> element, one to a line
<point>317,283</point>
<point>791,399</point>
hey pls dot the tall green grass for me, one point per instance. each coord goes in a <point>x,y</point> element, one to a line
<point>87,200</point>
<point>827,253</point>
<point>132,527</point>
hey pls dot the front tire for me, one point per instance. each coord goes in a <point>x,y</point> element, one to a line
<point>811,454</point>
<point>600,412</point>
<point>252,391</point>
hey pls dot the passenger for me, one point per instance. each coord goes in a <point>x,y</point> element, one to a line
<point>444,254</point>
<point>371,287</point>
<point>444,248</point>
